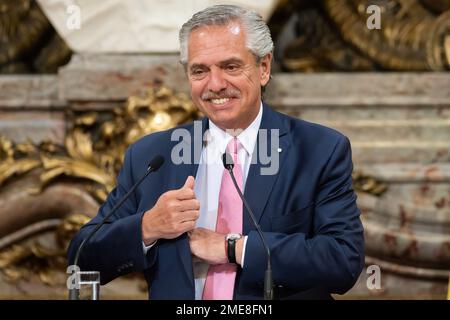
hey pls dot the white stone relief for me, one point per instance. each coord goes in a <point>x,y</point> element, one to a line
<point>132,25</point>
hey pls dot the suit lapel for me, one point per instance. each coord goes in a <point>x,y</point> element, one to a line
<point>182,171</point>
<point>179,176</point>
<point>259,186</point>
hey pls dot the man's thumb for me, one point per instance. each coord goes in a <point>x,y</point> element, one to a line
<point>189,182</point>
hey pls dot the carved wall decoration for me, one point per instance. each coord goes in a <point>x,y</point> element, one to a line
<point>83,170</point>
<point>94,147</point>
<point>28,42</point>
<point>333,35</point>
<point>319,36</point>
<point>367,184</point>
<point>20,261</point>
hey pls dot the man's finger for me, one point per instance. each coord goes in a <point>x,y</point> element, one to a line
<point>188,226</point>
<point>191,215</point>
<point>189,183</point>
<point>192,204</point>
<point>185,194</point>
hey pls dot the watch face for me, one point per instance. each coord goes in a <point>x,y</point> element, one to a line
<point>233,236</point>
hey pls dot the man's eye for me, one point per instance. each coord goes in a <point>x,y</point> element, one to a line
<point>197,72</point>
<point>231,67</point>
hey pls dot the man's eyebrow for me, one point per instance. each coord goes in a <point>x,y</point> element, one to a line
<point>197,65</point>
<point>221,63</point>
<point>231,60</point>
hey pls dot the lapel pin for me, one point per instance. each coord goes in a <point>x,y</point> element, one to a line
<point>279,150</point>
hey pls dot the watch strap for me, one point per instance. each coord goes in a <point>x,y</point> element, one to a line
<point>231,250</point>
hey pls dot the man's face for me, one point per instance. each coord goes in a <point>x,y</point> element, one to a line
<point>224,77</point>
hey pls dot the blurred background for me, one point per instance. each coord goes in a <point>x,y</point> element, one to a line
<point>82,79</point>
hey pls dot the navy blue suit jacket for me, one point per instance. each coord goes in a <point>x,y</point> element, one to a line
<point>307,212</point>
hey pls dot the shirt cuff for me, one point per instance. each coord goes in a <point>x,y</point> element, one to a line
<point>243,251</point>
<point>146,248</point>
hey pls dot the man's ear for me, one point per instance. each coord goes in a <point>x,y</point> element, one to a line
<point>264,68</point>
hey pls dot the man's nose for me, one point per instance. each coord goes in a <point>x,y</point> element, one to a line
<point>216,81</point>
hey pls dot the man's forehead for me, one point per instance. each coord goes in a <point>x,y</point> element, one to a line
<point>203,41</point>
<point>233,27</point>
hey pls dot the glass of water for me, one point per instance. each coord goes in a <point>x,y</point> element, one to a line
<point>89,282</point>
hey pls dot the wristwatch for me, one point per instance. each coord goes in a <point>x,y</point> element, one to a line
<point>230,244</point>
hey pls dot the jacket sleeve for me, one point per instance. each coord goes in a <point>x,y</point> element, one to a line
<point>333,257</point>
<point>116,249</point>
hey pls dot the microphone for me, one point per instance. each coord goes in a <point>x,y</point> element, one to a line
<point>154,165</point>
<point>228,163</point>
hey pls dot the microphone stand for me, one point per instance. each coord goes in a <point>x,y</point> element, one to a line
<point>268,280</point>
<point>155,164</point>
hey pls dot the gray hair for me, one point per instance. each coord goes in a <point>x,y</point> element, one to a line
<point>258,39</point>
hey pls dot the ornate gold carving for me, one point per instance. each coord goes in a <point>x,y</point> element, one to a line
<point>20,261</point>
<point>414,35</point>
<point>368,184</point>
<point>28,43</point>
<point>437,6</point>
<point>94,148</point>
<point>93,153</point>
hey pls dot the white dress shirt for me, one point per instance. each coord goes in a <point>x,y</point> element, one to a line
<point>209,178</point>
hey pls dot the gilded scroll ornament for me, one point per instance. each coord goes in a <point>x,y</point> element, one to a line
<point>368,184</point>
<point>93,154</point>
<point>28,42</point>
<point>333,35</point>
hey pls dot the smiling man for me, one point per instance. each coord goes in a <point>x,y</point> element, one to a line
<point>186,228</point>
<point>225,76</point>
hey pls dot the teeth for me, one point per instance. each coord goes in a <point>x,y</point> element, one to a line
<point>220,101</point>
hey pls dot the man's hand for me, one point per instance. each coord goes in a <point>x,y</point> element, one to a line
<point>175,213</point>
<point>209,246</point>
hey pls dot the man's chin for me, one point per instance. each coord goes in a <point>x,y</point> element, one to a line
<point>220,115</point>
<point>223,121</point>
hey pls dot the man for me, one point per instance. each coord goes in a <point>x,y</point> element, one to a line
<point>191,237</point>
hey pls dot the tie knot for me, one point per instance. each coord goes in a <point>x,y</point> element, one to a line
<point>233,146</point>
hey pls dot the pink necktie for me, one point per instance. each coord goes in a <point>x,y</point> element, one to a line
<point>220,279</point>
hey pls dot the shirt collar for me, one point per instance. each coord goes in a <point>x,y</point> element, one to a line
<point>247,138</point>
